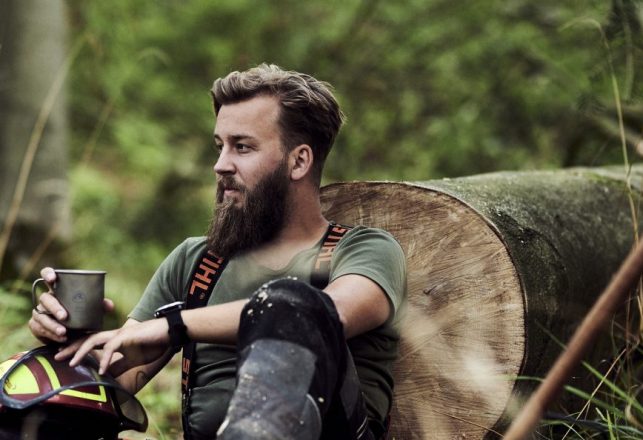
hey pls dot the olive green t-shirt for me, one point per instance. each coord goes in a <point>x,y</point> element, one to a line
<point>369,252</point>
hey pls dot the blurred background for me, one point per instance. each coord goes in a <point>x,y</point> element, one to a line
<point>106,119</point>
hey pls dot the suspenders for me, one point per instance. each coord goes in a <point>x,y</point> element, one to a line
<point>204,277</point>
<point>321,268</point>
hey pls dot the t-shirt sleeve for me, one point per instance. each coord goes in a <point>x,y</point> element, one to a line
<point>166,285</point>
<point>374,254</point>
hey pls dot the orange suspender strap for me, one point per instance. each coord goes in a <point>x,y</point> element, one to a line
<point>205,275</point>
<point>321,268</point>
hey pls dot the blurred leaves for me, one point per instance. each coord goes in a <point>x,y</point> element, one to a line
<point>15,310</point>
<point>431,88</point>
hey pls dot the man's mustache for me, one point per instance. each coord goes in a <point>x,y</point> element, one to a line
<point>228,182</point>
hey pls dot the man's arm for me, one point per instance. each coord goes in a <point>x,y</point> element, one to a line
<point>361,303</point>
<point>141,343</point>
<point>137,377</point>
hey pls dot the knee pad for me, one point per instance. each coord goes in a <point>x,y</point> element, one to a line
<point>293,311</point>
<point>290,310</point>
<point>290,292</point>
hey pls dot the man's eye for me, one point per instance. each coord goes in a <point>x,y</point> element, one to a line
<point>218,147</point>
<point>242,148</point>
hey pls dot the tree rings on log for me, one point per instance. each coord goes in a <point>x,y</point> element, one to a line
<point>495,263</point>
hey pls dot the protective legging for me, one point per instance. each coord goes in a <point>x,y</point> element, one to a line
<point>296,378</point>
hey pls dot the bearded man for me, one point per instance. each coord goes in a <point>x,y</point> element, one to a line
<point>297,339</point>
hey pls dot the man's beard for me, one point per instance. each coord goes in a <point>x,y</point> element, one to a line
<point>233,229</point>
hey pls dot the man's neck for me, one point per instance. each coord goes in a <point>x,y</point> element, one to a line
<point>304,227</point>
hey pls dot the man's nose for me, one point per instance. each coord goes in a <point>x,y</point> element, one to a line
<point>224,164</point>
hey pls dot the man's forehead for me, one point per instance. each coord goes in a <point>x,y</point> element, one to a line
<point>262,106</point>
<point>257,113</point>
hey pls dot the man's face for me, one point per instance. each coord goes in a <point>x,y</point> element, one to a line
<point>248,137</point>
<point>252,177</point>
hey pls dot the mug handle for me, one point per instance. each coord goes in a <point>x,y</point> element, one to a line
<point>34,299</point>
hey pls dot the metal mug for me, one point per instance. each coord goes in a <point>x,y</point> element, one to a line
<point>81,293</point>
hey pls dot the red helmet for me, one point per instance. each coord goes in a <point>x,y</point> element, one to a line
<point>68,402</point>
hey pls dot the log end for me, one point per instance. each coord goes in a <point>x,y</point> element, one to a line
<point>462,332</point>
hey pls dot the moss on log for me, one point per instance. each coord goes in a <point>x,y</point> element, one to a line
<point>496,263</point>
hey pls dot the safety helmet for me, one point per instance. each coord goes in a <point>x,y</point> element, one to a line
<point>63,401</point>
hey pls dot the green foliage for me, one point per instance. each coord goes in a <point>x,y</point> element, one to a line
<point>15,310</point>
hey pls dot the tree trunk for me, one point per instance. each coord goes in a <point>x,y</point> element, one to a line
<point>495,262</point>
<point>32,52</point>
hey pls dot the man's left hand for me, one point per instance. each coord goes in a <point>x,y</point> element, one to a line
<point>124,348</point>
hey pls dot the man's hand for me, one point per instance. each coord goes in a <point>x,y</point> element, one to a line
<point>124,348</point>
<point>47,318</point>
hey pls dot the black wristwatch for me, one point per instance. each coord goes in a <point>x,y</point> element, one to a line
<point>176,327</point>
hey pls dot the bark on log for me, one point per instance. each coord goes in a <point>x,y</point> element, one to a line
<point>495,261</point>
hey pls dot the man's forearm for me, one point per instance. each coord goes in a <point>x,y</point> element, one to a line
<point>360,302</point>
<point>214,324</point>
<point>134,379</point>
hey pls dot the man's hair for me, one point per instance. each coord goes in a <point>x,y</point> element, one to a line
<point>309,113</point>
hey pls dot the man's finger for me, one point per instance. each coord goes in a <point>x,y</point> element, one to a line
<point>48,274</point>
<point>47,323</point>
<point>68,351</point>
<point>95,341</point>
<point>82,351</point>
<point>108,305</point>
<point>105,360</point>
<point>41,330</point>
<point>43,334</point>
<point>51,305</point>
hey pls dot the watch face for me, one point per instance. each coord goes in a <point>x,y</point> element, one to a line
<point>163,310</point>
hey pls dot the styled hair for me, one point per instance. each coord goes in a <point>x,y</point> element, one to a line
<point>309,113</point>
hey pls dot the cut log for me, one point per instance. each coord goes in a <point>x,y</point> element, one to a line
<point>496,262</point>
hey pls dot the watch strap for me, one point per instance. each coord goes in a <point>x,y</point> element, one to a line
<point>176,329</point>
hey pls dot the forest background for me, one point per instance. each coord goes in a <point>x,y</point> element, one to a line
<point>111,101</point>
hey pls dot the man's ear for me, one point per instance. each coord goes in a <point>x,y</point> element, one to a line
<point>301,161</point>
